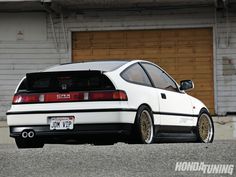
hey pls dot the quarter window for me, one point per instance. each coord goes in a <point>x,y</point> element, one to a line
<point>136,74</point>
<point>160,78</point>
<point>23,86</point>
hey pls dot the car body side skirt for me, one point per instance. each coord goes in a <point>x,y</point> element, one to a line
<point>175,133</point>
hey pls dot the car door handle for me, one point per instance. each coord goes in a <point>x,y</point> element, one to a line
<point>163,96</point>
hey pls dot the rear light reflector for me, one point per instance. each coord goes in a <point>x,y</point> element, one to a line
<point>24,98</point>
<point>120,95</point>
<point>108,96</point>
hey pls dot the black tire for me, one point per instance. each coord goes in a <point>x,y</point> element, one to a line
<point>144,126</point>
<point>28,143</point>
<point>205,127</point>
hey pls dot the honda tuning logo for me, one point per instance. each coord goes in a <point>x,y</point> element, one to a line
<point>204,168</point>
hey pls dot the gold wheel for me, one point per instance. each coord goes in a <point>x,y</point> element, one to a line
<point>146,126</point>
<point>205,128</point>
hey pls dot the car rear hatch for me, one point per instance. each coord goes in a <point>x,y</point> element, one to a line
<point>68,88</point>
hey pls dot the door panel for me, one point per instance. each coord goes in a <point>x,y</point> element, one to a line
<point>175,108</point>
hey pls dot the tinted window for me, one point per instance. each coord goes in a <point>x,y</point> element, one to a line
<point>65,81</point>
<point>159,78</point>
<point>136,74</point>
<point>23,86</point>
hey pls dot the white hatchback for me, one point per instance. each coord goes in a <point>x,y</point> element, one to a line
<point>104,102</point>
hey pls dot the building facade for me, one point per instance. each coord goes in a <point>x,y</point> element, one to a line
<point>194,40</point>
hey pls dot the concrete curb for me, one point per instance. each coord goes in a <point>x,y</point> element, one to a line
<point>225,129</point>
<point>4,134</point>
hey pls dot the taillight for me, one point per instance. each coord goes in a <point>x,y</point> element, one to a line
<point>108,96</point>
<point>31,98</point>
<point>116,95</point>
<point>120,95</point>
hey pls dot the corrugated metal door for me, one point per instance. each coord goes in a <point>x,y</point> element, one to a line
<point>183,53</point>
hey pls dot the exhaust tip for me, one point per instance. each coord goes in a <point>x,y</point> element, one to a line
<point>31,134</point>
<point>24,134</point>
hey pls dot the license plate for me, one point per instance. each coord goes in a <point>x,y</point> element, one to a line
<point>61,123</point>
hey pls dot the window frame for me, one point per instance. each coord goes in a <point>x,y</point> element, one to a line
<point>137,83</point>
<point>164,72</point>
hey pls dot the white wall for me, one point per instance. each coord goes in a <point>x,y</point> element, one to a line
<point>226,63</point>
<point>18,56</point>
<point>23,26</point>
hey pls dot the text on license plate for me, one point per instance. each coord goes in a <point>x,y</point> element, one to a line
<point>61,123</point>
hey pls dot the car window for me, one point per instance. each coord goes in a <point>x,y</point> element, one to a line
<point>136,74</point>
<point>65,81</point>
<point>160,78</point>
<point>23,86</point>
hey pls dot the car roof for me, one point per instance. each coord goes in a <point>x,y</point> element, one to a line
<point>89,65</point>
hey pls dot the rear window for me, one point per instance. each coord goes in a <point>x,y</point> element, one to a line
<point>65,81</point>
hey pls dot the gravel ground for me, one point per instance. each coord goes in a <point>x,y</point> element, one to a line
<point>119,160</point>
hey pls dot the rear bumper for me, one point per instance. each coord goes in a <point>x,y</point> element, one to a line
<point>89,125</point>
<point>43,131</point>
<point>98,116</point>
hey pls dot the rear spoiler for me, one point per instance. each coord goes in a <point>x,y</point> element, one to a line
<point>61,73</point>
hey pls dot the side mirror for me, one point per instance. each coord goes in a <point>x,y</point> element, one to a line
<point>186,85</point>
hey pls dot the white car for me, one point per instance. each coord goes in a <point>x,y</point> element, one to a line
<point>104,102</point>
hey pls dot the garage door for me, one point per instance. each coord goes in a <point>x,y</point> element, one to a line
<point>184,53</point>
